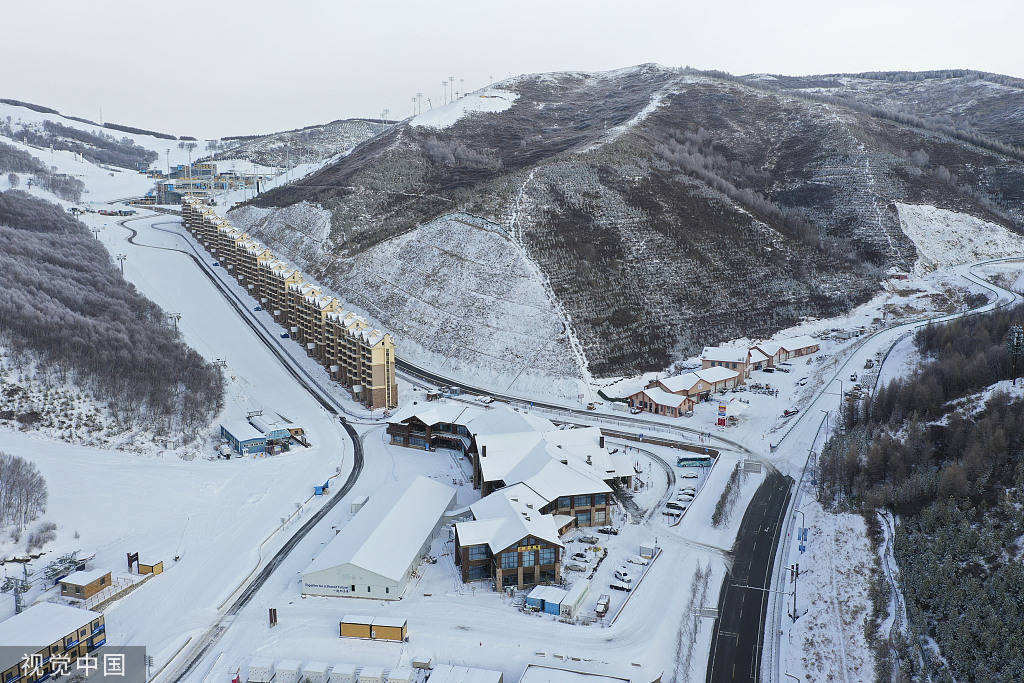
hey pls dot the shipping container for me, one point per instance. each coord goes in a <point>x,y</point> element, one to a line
<point>260,670</point>
<point>355,626</point>
<point>287,671</point>
<point>390,628</point>
<point>316,672</point>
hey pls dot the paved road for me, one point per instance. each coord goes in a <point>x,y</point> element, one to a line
<point>203,644</point>
<point>742,604</point>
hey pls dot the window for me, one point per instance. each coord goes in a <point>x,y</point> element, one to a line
<point>509,580</point>
<point>582,518</point>
<point>581,501</point>
<point>367,589</point>
<point>600,498</point>
<point>599,516</point>
<point>478,552</point>
<point>387,589</point>
<point>480,571</point>
<point>563,502</point>
<point>528,558</point>
<point>353,588</point>
<point>547,556</point>
<point>509,560</point>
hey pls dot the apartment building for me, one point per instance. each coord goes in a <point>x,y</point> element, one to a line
<point>356,354</point>
<point>63,633</point>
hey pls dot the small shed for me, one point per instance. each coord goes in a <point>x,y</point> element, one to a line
<point>261,670</point>
<point>390,628</point>
<point>343,673</point>
<point>422,660</point>
<point>316,672</point>
<point>355,626</point>
<point>84,584</point>
<point>574,598</point>
<point>402,674</point>
<point>371,674</point>
<point>288,671</point>
<point>546,599</point>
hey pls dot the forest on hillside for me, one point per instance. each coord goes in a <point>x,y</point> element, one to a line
<point>65,305</point>
<point>945,454</point>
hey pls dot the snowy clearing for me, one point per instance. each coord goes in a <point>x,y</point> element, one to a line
<point>487,100</point>
<point>945,238</point>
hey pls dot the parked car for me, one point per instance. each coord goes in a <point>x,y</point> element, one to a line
<point>687,489</point>
<point>590,540</point>
<point>573,567</point>
<point>784,368</point>
<point>635,411</point>
<point>685,497</point>
<point>790,411</point>
<point>579,557</point>
<point>636,559</point>
<point>622,574</point>
<point>853,376</point>
<point>768,369</point>
<point>869,363</point>
<point>675,506</point>
<point>601,608</point>
<point>615,585</point>
<point>486,399</point>
<point>689,475</point>
<point>785,364</point>
<point>609,530</point>
<point>216,263</point>
<point>257,308</point>
<point>802,381</point>
<point>285,335</point>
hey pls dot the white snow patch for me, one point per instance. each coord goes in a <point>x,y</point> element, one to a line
<point>487,100</point>
<point>945,238</point>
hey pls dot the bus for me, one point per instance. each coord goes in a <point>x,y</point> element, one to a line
<point>693,461</point>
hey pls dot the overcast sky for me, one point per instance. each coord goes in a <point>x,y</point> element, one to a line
<point>223,67</point>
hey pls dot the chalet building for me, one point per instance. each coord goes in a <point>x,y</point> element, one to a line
<point>357,355</point>
<point>84,584</point>
<point>661,402</point>
<point>785,349</point>
<point>510,540</point>
<point>732,358</point>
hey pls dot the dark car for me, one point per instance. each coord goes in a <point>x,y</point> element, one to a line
<point>257,308</point>
<point>216,263</point>
<point>609,530</point>
<point>285,335</point>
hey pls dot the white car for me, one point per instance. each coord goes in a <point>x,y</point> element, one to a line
<point>688,489</point>
<point>685,497</point>
<point>622,574</point>
<point>689,475</point>
<point>636,559</point>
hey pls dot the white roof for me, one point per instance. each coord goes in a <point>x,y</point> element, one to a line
<point>315,668</point>
<point>39,626</point>
<point>84,577</point>
<point>505,517</point>
<point>395,622</point>
<point>716,374</point>
<point>386,535</point>
<point>440,411</point>
<point>663,398</point>
<point>242,430</point>
<point>447,673</point>
<point>577,590</point>
<point>357,619</point>
<point>683,382</point>
<point>551,478</point>
<point>289,665</point>
<point>539,673</point>
<point>732,354</point>
<point>344,668</point>
<point>797,343</point>
<point>371,672</point>
<point>547,594</point>
<point>756,356</point>
<point>401,673</point>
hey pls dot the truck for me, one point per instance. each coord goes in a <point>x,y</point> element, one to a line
<point>601,608</point>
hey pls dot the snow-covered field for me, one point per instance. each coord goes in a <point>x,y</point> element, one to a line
<point>945,238</point>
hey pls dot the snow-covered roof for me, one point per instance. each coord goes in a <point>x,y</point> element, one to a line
<point>731,354</point>
<point>504,420</point>
<point>547,594</point>
<point>505,451</point>
<point>439,411</point>
<point>387,533</point>
<point>84,577</point>
<point>357,619</point>
<point>797,343</point>
<point>448,673</point>
<point>507,516</point>
<point>394,622</point>
<point>242,430</point>
<point>552,478</point>
<point>315,668</point>
<point>40,625</point>
<point>663,398</point>
<point>756,356</point>
<point>683,382</point>
<point>716,374</point>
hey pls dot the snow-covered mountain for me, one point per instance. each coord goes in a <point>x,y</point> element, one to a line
<point>307,145</point>
<point>659,210</point>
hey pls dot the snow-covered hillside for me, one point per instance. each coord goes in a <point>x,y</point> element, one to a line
<point>945,238</point>
<point>487,100</point>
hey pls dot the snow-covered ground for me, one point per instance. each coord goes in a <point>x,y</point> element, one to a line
<point>945,238</point>
<point>485,100</point>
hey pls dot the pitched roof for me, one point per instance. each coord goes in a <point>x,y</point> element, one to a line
<point>716,374</point>
<point>386,534</point>
<point>731,354</point>
<point>683,382</point>
<point>506,516</point>
<point>664,398</point>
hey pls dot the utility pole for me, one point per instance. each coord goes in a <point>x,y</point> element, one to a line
<point>121,258</point>
<point>1015,346</point>
<point>444,92</point>
<point>96,232</point>
<point>175,317</point>
<point>167,155</point>
<point>419,103</point>
<point>451,88</point>
<point>794,573</point>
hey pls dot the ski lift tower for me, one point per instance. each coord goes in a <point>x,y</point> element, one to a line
<point>1015,346</point>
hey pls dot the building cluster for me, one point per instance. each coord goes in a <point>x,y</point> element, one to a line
<point>258,434</point>
<point>537,483</point>
<point>199,179</point>
<point>722,368</point>
<point>57,635</point>
<point>356,354</point>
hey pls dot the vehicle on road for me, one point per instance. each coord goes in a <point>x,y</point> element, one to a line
<point>615,585</point>
<point>675,506</point>
<point>216,263</point>
<point>579,557</point>
<point>635,411</point>
<point>869,363</point>
<point>590,540</point>
<point>257,308</point>
<point>693,461</point>
<point>609,530</point>
<point>790,411</point>
<point>636,559</point>
<point>768,369</point>
<point>853,376</point>
<point>802,381</point>
<point>784,368</point>
<point>622,574</point>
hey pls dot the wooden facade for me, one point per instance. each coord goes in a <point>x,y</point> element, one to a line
<point>528,562</point>
<point>83,591</point>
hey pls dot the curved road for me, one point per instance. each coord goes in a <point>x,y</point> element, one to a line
<point>329,403</point>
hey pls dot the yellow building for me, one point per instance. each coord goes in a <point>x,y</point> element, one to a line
<point>357,355</point>
<point>63,633</point>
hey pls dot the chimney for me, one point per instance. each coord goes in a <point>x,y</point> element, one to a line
<point>483,452</point>
<point>601,441</point>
